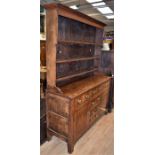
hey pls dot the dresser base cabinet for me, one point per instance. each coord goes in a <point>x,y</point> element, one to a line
<point>73,110</point>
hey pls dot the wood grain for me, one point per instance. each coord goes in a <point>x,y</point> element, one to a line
<point>80,42</point>
<point>73,14</point>
<point>99,140</point>
<point>75,75</point>
<point>72,38</point>
<point>77,59</point>
<point>52,34</point>
<point>77,88</point>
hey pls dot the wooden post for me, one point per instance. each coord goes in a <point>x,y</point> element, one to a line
<point>51,34</point>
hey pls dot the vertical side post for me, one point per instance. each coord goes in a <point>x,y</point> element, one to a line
<point>51,42</point>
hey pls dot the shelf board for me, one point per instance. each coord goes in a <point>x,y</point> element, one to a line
<point>74,75</point>
<point>77,59</point>
<point>78,42</point>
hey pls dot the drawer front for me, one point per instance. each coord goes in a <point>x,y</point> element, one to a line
<point>58,105</point>
<point>96,101</point>
<point>82,100</point>
<point>87,97</point>
<point>57,123</point>
<point>94,114</point>
<point>104,87</point>
<point>91,110</point>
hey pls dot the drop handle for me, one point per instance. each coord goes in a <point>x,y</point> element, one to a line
<point>93,103</point>
<point>87,97</point>
<point>99,98</point>
<point>79,101</point>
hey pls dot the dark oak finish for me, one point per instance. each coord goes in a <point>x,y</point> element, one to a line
<point>84,102</point>
<point>77,94</point>
<point>73,14</point>
<point>77,59</point>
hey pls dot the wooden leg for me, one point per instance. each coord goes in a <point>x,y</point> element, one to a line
<point>70,147</point>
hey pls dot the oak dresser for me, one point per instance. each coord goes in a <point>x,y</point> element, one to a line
<point>77,93</point>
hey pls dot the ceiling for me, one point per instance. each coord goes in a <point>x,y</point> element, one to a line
<point>88,9</point>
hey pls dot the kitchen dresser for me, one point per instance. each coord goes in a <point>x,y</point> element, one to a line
<point>77,93</point>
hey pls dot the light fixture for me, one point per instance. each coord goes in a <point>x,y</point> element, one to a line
<point>98,4</point>
<point>93,1</point>
<point>74,7</point>
<point>105,10</point>
<point>110,16</point>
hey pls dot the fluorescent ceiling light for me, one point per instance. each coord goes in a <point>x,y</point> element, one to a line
<point>74,7</point>
<point>110,16</point>
<point>93,1</point>
<point>98,4</point>
<point>105,10</point>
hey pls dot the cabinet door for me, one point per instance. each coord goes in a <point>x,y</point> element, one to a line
<point>81,122</point>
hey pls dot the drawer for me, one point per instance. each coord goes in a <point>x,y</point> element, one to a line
<point>90,95</point>
<point>58,123</point>
<point>94,113</point>
<point>104,86</point>
<point>58,104</point>
<point>87,97</point>
<point>82,100</point>
<point>98,90</point>
<point>95,102</point>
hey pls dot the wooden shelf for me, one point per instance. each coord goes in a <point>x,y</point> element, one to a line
<point>78,42</point>
<point>74,75</point>
<point>77,59</point>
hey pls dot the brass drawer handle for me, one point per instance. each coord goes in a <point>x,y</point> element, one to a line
<point>99,98</point>
<point>79,101</point>
<point>87,97</point>
<point>93,103</point>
